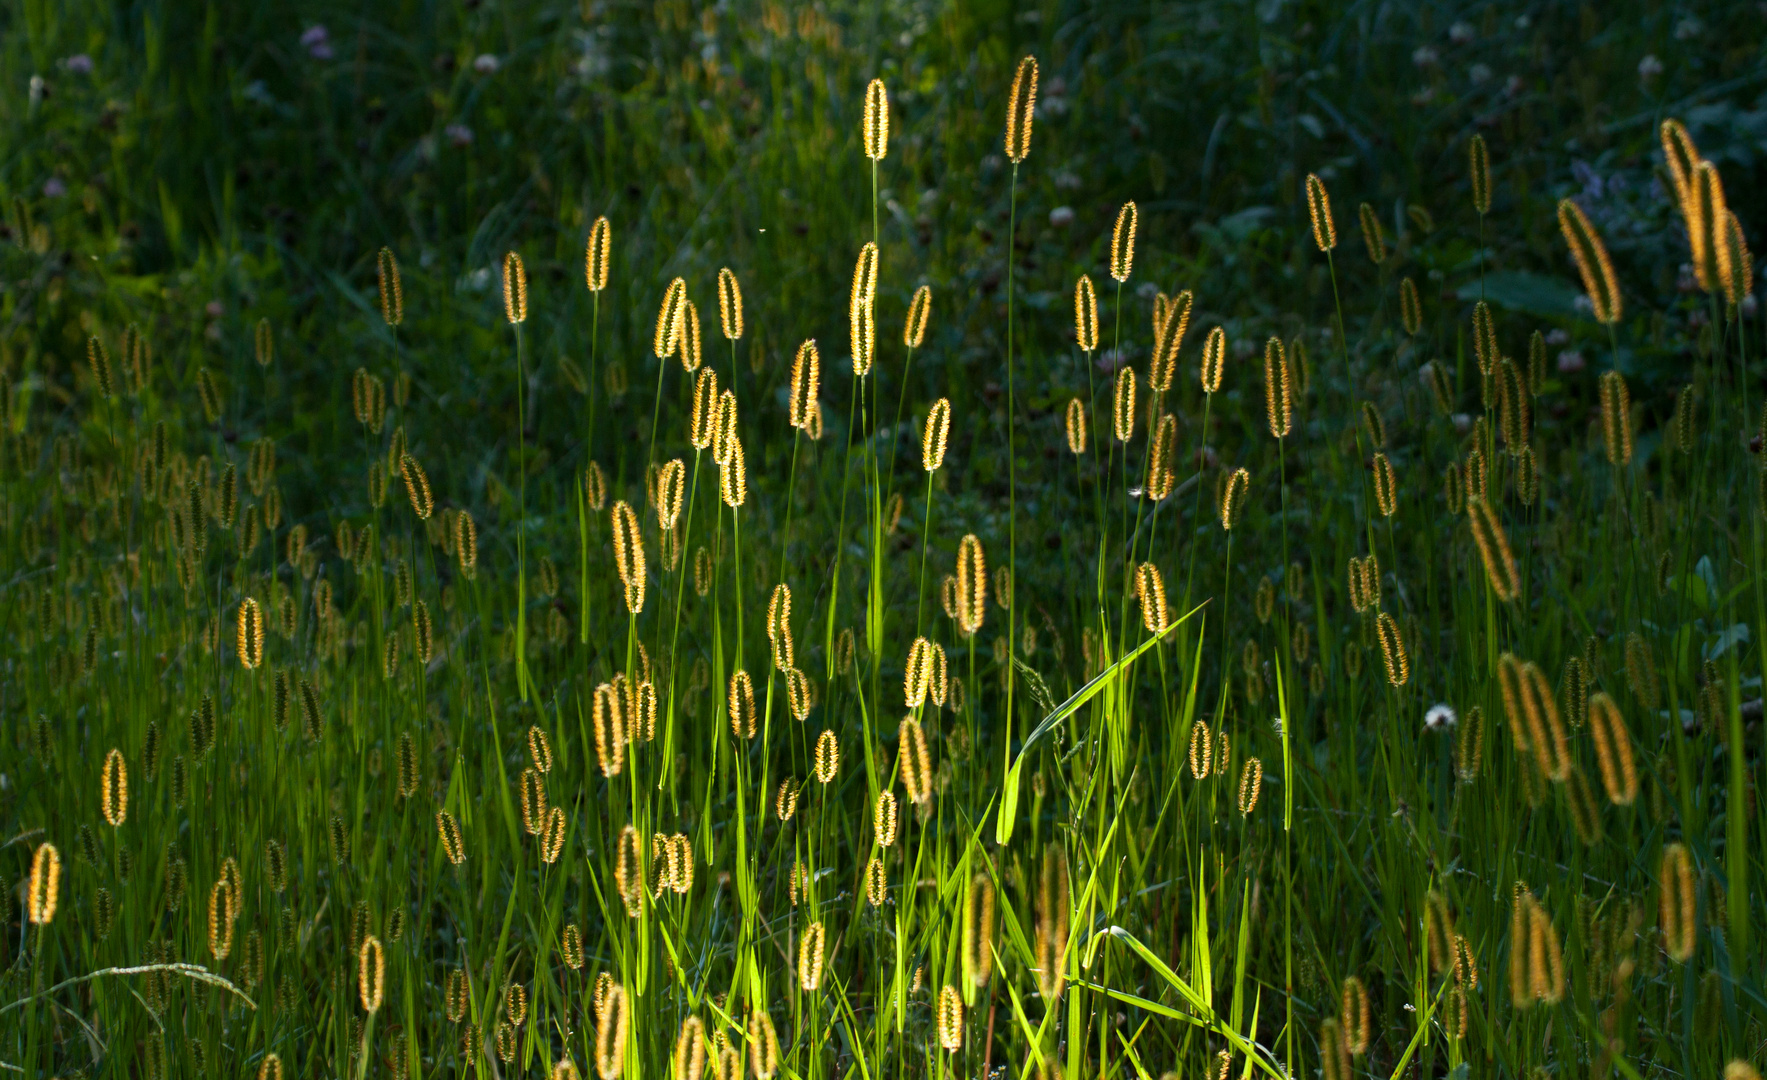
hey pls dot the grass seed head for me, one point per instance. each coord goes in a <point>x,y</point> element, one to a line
<point>1150,590</point>
<point>1372,235</point>
<point>1599,280</point>
<point>1677,900</point>
<point>1076,426</point>
<point>98,357</point>
<point>597,253</point>
<point>950,1019</point>
<point>1325,231</point>
<point>453,841</point>
<point>1122,243</point>
<point>688,341</point>
<point>43,890</point>
<point>1233,494</point>
<point>1705,211</point>
<point>862,310</point>
<point>1163,366</point>
<point>978,931</point>
<point>1386,485</point>
<point>1021,105</point>
<point>811,947</point>
<point>629,554</point>
<point>113,789</point>
<point>670,494</point>
<point>1251,782</point>
<point>1494,550</point>
<point>1410,308</point>
<point>1616,419</point>
<point>611,1023</point>
<point>733,476</point>
<point>1736,267</point>
<point>1123,404</point>
<point>806,383</point>
<point>741,705</point>
<point>1085,314</point>
<point>919,312</point>
<point>1392,650</point>
<point>371,973</point>
<point>1353,1016</point>
<point>1202,751</point>
<point>250,634</point>
<point>1214,360</point>
<point>552,836</point>
<point>876,125</point>
<point>884,818</point>
<point>689,1059</point>
<point>934,435</point>
<point>971,581</point>
<point>1479,172</point>
<point>669,319</point>
<point>392,289</point>
<point>703,420</point>
<point>515,289</point>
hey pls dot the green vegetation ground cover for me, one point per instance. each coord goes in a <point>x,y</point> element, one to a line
<point>1243,842</point>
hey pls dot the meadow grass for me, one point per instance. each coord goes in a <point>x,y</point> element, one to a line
<point>565,682</point>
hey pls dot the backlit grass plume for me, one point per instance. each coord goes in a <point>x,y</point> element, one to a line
<point>862,310</point>
<point>1021,106</point>
<point>515,288</point>
<point>876,124</point>
<point>629,554</point>
<point>1325,231</point>
<point>806,383</point>
<point>934,435</point>
<point>1085,314</point>
<point>598,252</point>
<point>1122,235</point>
<point>1600,282</point>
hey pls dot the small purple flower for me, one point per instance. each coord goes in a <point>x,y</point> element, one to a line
<point>53,188</point>
<point>317,41</point>
<point>214,309</point>
<point>1649,67</point>
<point>486,64</point>
<point>458,134</point>
<point>1557,336</point>
<point>1570,362</point>
<point>79,64</point>
<point>1061,217</point>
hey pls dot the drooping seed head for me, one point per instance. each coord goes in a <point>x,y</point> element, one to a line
<point>1085,314</point>
<point>1123,242</point>
<point>1705,213</point>
<point>1163,365</point>
<point>1021,104</point>
<point>515,289</point>
<point>934,435</point>
<point>1325,231</point>
<point>1681,156</point>
<point>1736,267</point>
<point>876,124</point>
<point>1494,549</point>
<point>1597,270</point>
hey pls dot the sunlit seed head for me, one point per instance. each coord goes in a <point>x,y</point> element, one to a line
<point>1214,360</point>
<point>416,486</point>
<point>1680,155</point>
<point>597,253</point>
<point>1162,457</point>
<point>934,435</point>
<point>806,383</point>
<point>1123,242</point>
<point>250,634</point>
<point>862,310</point>
<point>883,819</point>
<point>1278,393</point>
<point>800,695</point>
<point>1085,314</point>
<point>1386,485</point>
<point>629,554</point>
<point>1479,173</point>
<point>1705,211</point>
<point>1021,105</point>
<point>688,1061</point>
<point>1597,270</point>
<point>1736,267</point>
<point>1325,233</point>
<point>741,705</point>
<point>724,430</point>
<point>876,124</point>
<point>1392,649</point>
<point>919,314</point>
<point>113,789</point>
<point>667,338</point>
<point>977,940</point>
<point>828,757</point>
<point>1163,366</point>
<point>1076,426</point>
<point>608,721</point>
<point>515,289</point>
<point>1150,590</point>
<point>689,346</point>
<point>971,584</point>
<point>671,493</point>
<point>733,476</point>
<point>533,801</point>
<point>371,972</point>
<point>779,625</point>
<point>1123,405</point>
<point>1251,782</point>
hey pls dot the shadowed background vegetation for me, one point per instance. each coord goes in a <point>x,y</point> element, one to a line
<point>218,180</point>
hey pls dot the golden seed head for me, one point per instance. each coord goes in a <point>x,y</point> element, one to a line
<point>1278,394</point>
<point>800,696</point>
<point>99,358</point>
<point>250,642</point>
<point>1162,456</point>
<point>1233,494</point>
<point>113,789</point>
<point>971,584</point>
<point>702,423</point>
<point>533,800</point>
<point>1613,750</point>
<point>806,383</point>
<point>416,486</point>
<point>552,836</point>
<point>611,1023</point>
<point>223,910</point>
<point>877,882</point>
<point>1076,426</point>
<point>730,304</point>
<point>916,764</point>
<point>1680,155</point>
<point>371,973</point>
<point>453,842</point>
<point>1677,903</point>
<point>670,493</point>
<point>45,888</point>
<point>1251,782</point>
<point>876,130</point>
<point>950,1019</point>
<point>862,310</point>
<point>1616,419</point>
<point>669,318</point>
<point>828,757</point>
<point>1392,649</point>
<point>1123,243</point>
<point>1214,360</point>
<point>779,626</point>
<point>1123,404</point>
<point>1372,236</point>
<point>466,544</point>
<point>1704,211</point>
<point>920,310</point>
<point>733,477</point>
<point>1597,270</point>
<point>540,749</point>
<point>629,554</point>
<point>1485,338</point>
<point>883,818</point>
<point>1163,366</point>
<point>763,1041</point>
<point>1353,1016</point>
<point>271,1067</point>
<point>741,705</point>
<point>1020,107</point>
<point>607,716</point>
<point>689,1060</point>
<point>392,289</point>
<point>1325,232</point>
<point>933,436</point>
<point>810,956</point>
<point>724,427</point>
<point>688,345</point>
<point>515,288</point>
<point>1479,170</point>
<point>1150,589</point>
<point>978,931</point>
<point>1085,314</point>
<point>596,254</point>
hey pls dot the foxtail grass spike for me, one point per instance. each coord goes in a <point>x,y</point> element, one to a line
<point>1479,172</point>
<point>1278,400</point>
<point>1600,282</point>
<point>597,253</point>
<point>806,384</point>
<point>1372,236</point>
<point>876,129</point>
<point>1214,360</point>
<point>919,313</point>
<point>1085,314</point>
<point>862,310</point>
<point>935,434</point>
<point>515,289</point>
<point>1325,232</point>
<point>1021,106</point>
<point>1123,242</point>
<point>1076,426</point>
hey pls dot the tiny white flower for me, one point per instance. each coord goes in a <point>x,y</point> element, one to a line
<point>1440,717</point>
<point>1276,725</point>
<point>486,64</point>
<point>1479,74</point>
<point>1460,33</point>
<point>1649,67</point>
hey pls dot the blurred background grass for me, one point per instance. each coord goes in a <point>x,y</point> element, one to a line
<point>199,167</point>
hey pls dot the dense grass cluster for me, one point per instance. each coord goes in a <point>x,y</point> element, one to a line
<point>735,671</point>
